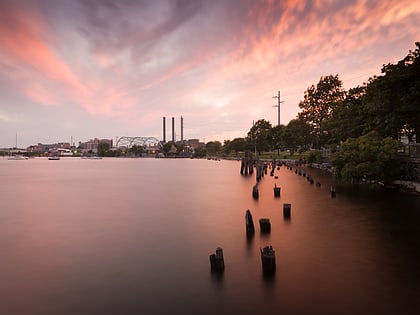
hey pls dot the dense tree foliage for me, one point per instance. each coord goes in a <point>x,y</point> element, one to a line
<point>369,157</point>
<point>348,118</point>
<point>392,100</point>
<point>319,103</point>
<point>236,145</point>
<point>259,135</point>
<point>213,147</point>
<point>103,148</point>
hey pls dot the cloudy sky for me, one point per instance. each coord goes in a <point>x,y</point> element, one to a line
<point>82,69</point>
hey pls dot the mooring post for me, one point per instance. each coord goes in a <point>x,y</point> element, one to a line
<point>217,262</point>
<point>249,223</point>
<point>265,225</point>
<point>287,209</point>
<point>268,259</point>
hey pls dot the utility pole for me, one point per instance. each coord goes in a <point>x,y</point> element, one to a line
<point>278,106</point>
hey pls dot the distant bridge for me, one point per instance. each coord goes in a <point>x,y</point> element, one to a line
<point>129,142</point>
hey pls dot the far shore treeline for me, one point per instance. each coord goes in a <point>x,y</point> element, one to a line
<point>361,127</point>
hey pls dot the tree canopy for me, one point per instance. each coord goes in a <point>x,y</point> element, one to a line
<point>369,157</point>
<point>319,102</point>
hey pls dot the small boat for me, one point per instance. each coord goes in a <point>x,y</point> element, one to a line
<point>53,157</point>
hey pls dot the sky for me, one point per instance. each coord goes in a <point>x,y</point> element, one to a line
<point>78,70</point>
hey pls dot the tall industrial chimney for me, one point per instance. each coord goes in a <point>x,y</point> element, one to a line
<point>164,129</point>
<point>182,130</point>
<point>173,129</point>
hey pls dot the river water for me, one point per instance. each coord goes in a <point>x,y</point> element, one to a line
<point>133,236</point>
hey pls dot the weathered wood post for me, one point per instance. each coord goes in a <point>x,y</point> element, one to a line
<point>255,193</point>
<point>268,259</point>
<point>265,225</point>
<point>247,164</point>
<point>276,191</point>
<point>249,223</point>
<point>287,209</point>
<point>217,261</point>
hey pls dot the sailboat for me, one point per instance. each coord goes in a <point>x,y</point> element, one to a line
<point>18,156</point>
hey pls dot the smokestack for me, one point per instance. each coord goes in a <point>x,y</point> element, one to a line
<point>173,129</point>
<point>182,130</point>
<point>164,129</point>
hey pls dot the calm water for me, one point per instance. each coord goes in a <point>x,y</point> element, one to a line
<point>133,236</point>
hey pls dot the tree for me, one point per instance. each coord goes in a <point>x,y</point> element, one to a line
<point>200,152</point>
<point>297,134</point>
<point>103,148</point>
<point>168,146</point>
<point>258,135</point>
<point>348,119</point>
<point>369,157</point>
<point>213,147</point>
<point>237,145</point>
<point>318,104</point>
<point>393,99</point>
<point>136,150</point>
<point>276,137</point>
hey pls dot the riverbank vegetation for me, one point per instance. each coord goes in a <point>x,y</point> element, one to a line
<point>359,129</point>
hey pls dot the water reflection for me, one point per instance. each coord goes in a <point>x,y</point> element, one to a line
<point>269,279</point>
<point>217,278</point>
<point>80,237</point>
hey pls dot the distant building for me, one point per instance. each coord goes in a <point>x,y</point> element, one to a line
<point>92,145</point>
<point>194,143</point>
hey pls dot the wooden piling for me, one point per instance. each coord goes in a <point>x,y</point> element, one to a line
<point>255,193</point>
<point>265,225</point>
<point>276,191</point>
<point>249,223</point>
<point>287,209</point>
<point>217,262</point>
<point>268,259</point>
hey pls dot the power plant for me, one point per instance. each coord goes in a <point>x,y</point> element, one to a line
<point>173,138</point>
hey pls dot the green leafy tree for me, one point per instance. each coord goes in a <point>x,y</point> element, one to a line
<point>168,146</point>
<point>258,135</point>
<point>103,149</point>
<point>393,100</point>
<point>136,150</point>
<point>200,152</point>
<point>276,137</point>
<point>296,135</point>
<point>369,157</point>
<point>348,119</point>
<point>318,104</point>
<point>236,145</point>
<point>213,147</point>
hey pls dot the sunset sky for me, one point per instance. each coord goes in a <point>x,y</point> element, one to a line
<point>84,69</point>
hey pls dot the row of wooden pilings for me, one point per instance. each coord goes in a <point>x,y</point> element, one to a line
<point>310,179</point>
<point>268,257</point>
